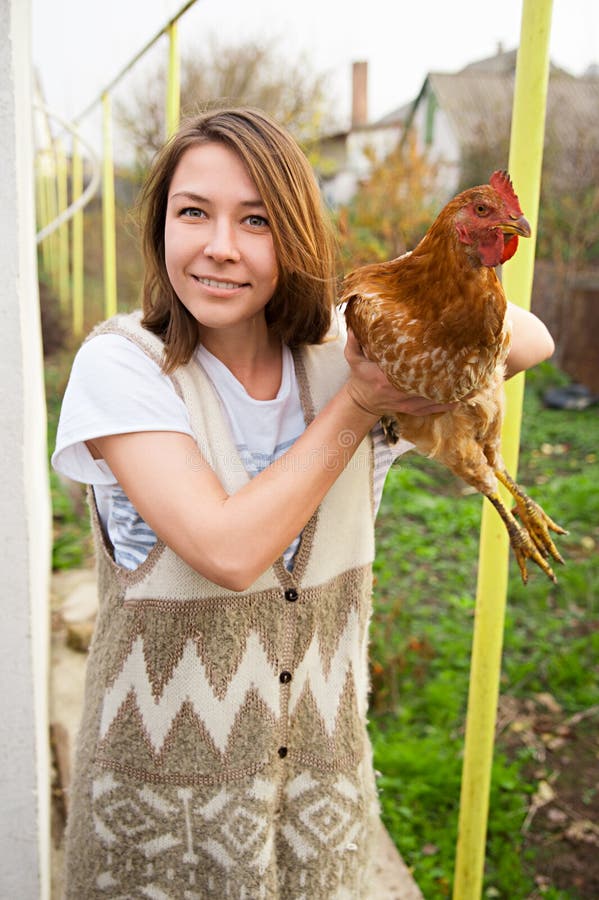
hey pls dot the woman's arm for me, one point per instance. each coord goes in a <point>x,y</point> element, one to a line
<point>531,341</point>
<point>232,539</point>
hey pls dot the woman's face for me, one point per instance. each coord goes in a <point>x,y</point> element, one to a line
<point>219,250</point>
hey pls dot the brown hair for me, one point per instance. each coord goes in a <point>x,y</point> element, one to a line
<point>299,311</point>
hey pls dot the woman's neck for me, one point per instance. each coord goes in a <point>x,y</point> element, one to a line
<point>253,356</point>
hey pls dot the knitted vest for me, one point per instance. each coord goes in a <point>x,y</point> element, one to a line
<point>222,750</point>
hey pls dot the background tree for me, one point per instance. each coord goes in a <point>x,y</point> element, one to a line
<point>488,151</point>
<point>569,215</point>
<point>392,209</point>
<point>251,73</point>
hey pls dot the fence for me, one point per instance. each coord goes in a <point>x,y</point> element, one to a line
<point>62,260</point>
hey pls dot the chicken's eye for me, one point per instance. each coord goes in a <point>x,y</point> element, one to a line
<point>481,209</point>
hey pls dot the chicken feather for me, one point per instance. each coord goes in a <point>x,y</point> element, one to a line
<point>435,322</point>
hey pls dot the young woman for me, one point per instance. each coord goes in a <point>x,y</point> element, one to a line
<point>236,468</point>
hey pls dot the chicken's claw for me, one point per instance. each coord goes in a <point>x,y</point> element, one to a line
<point>534,518</point>
<point>523,544</point>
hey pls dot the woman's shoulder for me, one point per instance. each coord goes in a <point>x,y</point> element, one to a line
<point>111,349</point>
<point>114,387</point>
<point>128,327</point>
<point>111,369</point>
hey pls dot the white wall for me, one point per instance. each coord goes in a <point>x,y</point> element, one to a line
<point>342,187</point>
<point>445,149</point>
<point>24,502</point>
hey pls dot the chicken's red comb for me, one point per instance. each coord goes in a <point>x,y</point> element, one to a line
<point>502,183</point>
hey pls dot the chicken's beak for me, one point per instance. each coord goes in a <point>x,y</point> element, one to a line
<point>517,226</point>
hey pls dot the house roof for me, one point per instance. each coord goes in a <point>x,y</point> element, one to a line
<point>501,63</point>
<point>478,101</point>
<point>395,117</point>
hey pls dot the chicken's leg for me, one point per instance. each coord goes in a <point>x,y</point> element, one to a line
<point>533,517</point>
<point>523,545</point>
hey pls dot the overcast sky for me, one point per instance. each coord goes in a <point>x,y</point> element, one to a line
<point>80,45</point>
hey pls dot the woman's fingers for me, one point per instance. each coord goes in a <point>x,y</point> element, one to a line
<point>421,406</point>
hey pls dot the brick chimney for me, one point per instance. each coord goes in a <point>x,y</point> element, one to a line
<point>359,112</point>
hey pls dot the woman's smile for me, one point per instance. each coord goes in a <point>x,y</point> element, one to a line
<point>222,285</point>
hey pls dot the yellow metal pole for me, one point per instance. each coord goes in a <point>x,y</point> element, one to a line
<point>52,206</point>
<point>108,212</point>
<point>173,84</point>
<point>77,242</point>
<point>43,208</point>
<point>39,200</point>
<point>526,153</point>
<point>63,231</point>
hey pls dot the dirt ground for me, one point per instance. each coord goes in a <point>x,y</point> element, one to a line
<point>562,824</point>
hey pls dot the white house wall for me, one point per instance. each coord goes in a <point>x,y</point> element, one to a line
<point>25,524</point>
<point>340,188</point>
<point>444,148</point>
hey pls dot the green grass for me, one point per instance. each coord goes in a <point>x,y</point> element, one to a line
<point>72,542</point>
<point>421,637</point>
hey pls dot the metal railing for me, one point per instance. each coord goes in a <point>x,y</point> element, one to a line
<point>62,259</point>
<point>525,161</point>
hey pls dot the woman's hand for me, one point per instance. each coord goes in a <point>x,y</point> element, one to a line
<point>371,390</point>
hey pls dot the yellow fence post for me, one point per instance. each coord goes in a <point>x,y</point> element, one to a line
<point>173,85</point>
<point>77,242</point>
<point>526,153</point>
<point>63,231</point>
<point>108,211</point>
<point>44,212</point>
<point>39,193</point>
<point>52,207</point>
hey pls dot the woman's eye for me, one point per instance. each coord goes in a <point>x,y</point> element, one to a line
<point>192,212</point>
<point>257,221</point>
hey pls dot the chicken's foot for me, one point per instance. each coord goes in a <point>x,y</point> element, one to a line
<point>522,543</point>
<point>533,517</point>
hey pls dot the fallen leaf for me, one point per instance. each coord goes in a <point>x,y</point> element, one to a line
<point>520,725</point>
<point>549,702</point>
<point>543,794</point>
<point>556,815</point>
<point>583,830</point>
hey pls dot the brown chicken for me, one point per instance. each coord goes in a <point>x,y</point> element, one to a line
<point>434,320</point>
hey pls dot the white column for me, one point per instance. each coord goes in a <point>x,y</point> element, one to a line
<point>25,524</point>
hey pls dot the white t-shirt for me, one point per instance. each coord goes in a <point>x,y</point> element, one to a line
<point>115,388</point>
